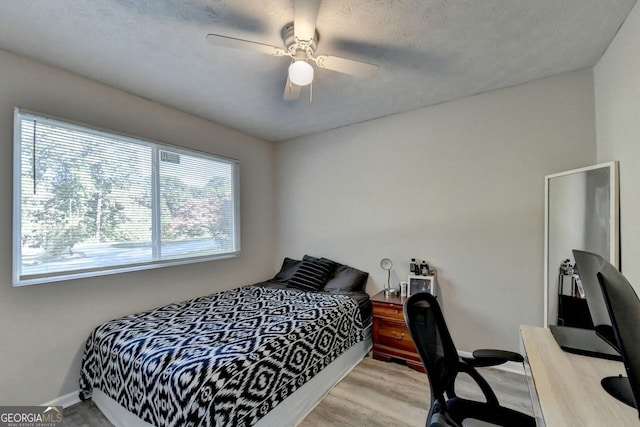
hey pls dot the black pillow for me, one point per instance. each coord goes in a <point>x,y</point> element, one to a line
<point>312,274</point>
<point>289,267</point>
<point>347,279</point>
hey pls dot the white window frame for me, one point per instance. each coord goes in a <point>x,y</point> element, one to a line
<point>21,280</point>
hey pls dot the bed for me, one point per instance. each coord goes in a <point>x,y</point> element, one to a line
<point>263,354</point>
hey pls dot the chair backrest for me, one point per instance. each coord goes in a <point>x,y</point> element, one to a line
<point>431,336</point>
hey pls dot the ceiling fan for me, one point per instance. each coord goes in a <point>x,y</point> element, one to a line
<point>300,40</point>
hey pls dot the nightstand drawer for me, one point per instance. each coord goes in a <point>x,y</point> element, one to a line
<point>391,339</point>
<point>392,311</point>
<point>393,334</point>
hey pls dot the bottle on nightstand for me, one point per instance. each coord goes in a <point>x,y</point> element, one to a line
<point>424,269</point>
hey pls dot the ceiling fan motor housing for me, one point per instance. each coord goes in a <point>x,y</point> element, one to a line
<point>294,46</point>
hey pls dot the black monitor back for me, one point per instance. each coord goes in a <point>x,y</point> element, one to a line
<point>589,264</point>
<point>594,343</point>
<point>624,310</point>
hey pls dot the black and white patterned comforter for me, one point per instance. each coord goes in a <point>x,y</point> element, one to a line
<point>219,360</point>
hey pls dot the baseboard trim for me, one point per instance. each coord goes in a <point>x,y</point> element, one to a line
<point>65,401</point>
<point>514,367</point>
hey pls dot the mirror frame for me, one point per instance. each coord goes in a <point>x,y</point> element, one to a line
<point>614,224</point>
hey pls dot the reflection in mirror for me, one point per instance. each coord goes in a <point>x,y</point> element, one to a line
<point>581,213</point>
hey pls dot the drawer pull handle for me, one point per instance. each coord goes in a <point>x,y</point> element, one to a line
<point>397,336</point>
<point>397,311</point>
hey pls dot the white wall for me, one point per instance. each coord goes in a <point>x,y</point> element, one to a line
<point>460,184</point>
<point>43,328</point>
<point>617,105</point>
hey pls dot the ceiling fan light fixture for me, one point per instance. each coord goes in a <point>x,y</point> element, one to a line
<point>301,73</point>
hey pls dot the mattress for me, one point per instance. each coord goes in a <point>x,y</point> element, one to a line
<point>225,359</point>
<point>289,413</point>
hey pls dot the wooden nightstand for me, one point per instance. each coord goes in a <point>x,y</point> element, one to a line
<point>391,339</point>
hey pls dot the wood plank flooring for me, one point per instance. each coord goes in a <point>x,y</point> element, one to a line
<point>374,394</point>
<point>380,393</point>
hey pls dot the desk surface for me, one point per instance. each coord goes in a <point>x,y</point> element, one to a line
<point>568,385</point>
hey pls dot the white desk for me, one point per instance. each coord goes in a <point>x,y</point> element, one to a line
<point>565,388</point>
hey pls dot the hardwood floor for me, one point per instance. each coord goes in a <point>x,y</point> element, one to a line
<point>85,414</point>
<point>380,393</point>
<point>375,393</point>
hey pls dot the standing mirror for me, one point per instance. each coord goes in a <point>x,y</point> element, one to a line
<point>582,208</point>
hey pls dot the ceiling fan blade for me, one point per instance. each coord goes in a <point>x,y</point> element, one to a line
<point>347,66</point>
<point>291,91</point>
<point>233,43</point>
<point>305,16</point>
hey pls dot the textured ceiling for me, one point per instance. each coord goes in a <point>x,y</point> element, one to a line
<point>429,51</point>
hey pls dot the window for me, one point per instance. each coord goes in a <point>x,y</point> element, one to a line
<point>89,202</point>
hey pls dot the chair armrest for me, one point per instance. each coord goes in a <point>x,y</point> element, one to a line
<point>487,357</point>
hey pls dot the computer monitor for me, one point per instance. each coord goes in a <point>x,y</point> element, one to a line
<point>588,265</point>
<point>623,306</point>
<point>588,342</point>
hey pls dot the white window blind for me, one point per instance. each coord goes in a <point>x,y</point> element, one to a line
<point>88,202</point>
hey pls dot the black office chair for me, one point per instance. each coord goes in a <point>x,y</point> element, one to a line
<point>440,358</point>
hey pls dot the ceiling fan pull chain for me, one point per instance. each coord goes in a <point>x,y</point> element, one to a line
<point>311,93</point>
